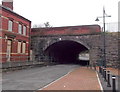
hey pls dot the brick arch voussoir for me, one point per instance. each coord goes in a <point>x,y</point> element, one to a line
<point>78,41</point>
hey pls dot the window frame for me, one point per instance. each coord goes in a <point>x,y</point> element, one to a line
<point>20,28</point>
<point>24,30</point>
<point>19,47</point>
<point>24,47</point>
<point>10,25</point>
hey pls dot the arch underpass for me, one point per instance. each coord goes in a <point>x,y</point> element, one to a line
<point>66,51</point>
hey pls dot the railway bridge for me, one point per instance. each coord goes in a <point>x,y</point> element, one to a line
<point>67,44</point>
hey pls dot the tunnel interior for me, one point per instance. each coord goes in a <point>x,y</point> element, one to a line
<point>66,52</point>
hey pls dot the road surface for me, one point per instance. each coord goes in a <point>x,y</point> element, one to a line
<point>34,78</point>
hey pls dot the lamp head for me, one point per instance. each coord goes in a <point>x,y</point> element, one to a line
<point>97,19</point>
<point>109,16</point>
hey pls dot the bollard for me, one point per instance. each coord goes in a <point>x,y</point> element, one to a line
<point>103,72</point>
<point>113,84</point>
<point>105,75</point>
<point>99,69</point>
<point>108,79</point>
<point>95,67</point>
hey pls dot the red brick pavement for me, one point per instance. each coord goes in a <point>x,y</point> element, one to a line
<point>82,78</point>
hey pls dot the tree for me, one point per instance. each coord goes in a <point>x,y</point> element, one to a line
<point>38,26</point>
<point>47,24</point>
<point>44,25</point>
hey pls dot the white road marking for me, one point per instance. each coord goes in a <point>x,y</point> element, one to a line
<point>57,80</point>
<point>99,82</point>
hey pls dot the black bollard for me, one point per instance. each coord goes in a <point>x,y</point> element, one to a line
<point>108,79</point>
<point>105,75</point>
<point>113,84</point>
<point>103,72</point>
<point>99,69</point>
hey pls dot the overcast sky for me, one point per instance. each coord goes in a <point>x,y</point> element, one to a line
<point>66,12</point>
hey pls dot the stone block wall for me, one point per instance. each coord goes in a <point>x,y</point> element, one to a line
<point>94,43</point>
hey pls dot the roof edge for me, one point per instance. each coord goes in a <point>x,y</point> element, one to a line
<point>1,6</point>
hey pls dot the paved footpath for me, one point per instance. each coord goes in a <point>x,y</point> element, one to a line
<point>82,78</point>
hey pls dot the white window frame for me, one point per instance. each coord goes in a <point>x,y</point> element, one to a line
<point>23,47</point>
<point>20,28</point>
<point>19,47</point>
<point>10,25</point>
<point>24,30</point>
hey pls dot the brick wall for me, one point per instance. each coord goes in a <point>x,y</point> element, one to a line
<point>14,35</point>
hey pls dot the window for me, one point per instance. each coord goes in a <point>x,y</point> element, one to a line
<point>24,30</point>
<point>23,47</point>
<point>20,28</point>
<point>19,47</point>
<point>9,48</point>
<point>10,25</point>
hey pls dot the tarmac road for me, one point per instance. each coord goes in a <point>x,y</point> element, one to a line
<point>34,78</point>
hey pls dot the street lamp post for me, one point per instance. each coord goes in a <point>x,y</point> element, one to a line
<point>104,49</point>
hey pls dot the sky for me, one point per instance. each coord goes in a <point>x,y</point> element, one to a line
<point>66,12</point>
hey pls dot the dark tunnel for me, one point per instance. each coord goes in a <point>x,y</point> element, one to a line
<point>66,52</point>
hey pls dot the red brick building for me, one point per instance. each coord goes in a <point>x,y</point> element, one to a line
<point>14,34</point>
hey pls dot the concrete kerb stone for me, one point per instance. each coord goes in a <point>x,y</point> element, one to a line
<point>26,65</point>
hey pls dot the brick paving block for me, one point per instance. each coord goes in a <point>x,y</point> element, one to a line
<point>81,78</point>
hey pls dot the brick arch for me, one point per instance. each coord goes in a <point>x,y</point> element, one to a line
<point>70,39</point>
<point>68,50</point>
